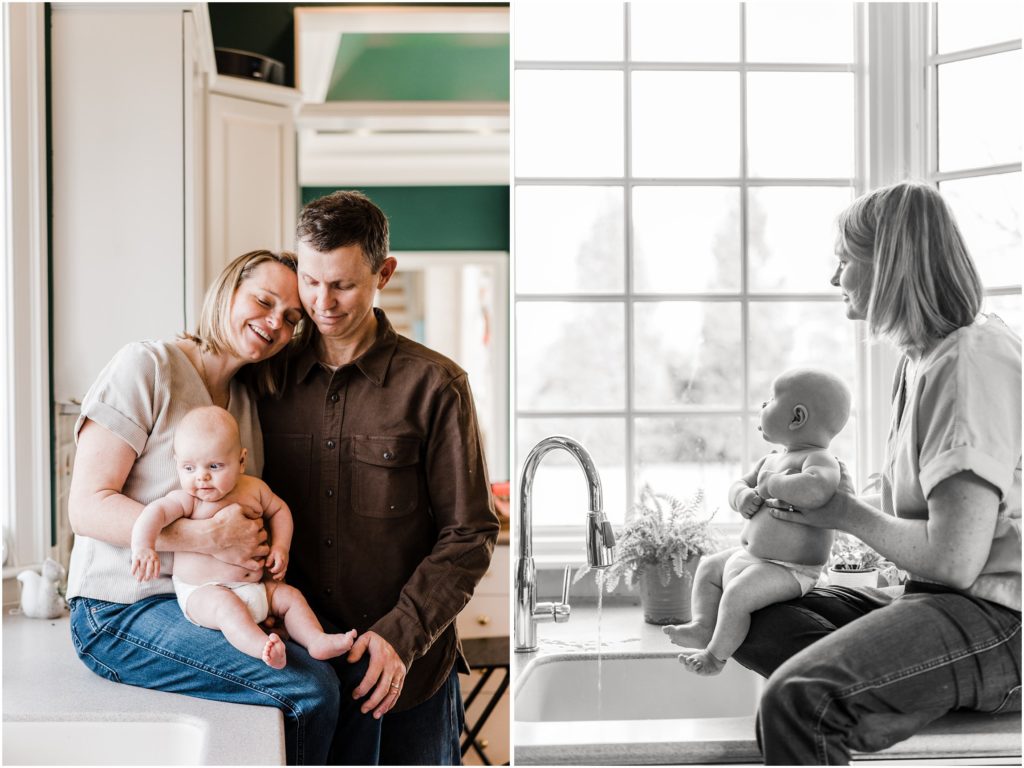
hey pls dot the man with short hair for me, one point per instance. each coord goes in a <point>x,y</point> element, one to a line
<point>375,447</point>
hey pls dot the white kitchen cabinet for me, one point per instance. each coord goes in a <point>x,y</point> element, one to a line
<point>126,177</point>
<point>162,172</point>
<point>487,615</point>
<point>252,190</point>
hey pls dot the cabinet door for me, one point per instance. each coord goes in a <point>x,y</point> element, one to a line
<point>251,192</point>
<point>118,176</point>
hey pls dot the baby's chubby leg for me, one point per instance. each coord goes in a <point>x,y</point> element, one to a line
<point>707,593</point>
<point>288,604</point>
<point>755,587</point>
<point>219,608</point>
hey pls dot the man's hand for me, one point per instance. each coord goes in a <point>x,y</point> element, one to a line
<point>385,675</point>
<point>237,536</point>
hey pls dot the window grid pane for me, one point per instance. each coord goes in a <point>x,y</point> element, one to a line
<point>690,207</point>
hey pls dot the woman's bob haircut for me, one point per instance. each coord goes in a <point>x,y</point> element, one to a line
<point>924,283</point>
<point>213,331</point>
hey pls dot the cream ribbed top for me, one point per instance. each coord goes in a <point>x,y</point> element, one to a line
<point>141,396</point>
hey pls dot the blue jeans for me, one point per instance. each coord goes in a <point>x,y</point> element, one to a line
<point>150,644</point>
<point>427,734</point>
<point>857,669</point>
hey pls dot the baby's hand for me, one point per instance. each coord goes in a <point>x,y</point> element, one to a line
<point>145,564</point>
<point>748,502</point>
<point>277,563</point>
<point>765,478</point>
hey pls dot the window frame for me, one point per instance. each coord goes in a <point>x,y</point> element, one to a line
<point>28,518</point>
<point>556,543</point>
<point>896,137</point>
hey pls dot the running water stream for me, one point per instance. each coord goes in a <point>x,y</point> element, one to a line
<point>600,599</point>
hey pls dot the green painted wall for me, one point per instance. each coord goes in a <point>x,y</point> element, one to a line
<point>440,218</point>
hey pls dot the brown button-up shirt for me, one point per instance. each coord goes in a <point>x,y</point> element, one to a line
<point>382,467</point>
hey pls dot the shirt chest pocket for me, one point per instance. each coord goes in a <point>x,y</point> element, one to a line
<point>385,476</point>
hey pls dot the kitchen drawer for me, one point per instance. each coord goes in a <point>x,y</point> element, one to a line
<point>484,616</point>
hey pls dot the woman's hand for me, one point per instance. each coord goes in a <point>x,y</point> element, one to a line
<point>832,514</point>
<point>237,536</point>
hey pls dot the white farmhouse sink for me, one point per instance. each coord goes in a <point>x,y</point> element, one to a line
<point>62,742</point>
<point>567,688</point>
<point>646,709</point>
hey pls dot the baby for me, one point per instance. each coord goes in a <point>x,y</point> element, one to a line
<point>214,594</point>
<point>778,560</point>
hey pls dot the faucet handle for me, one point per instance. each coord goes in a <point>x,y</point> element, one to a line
<point>561,610</point>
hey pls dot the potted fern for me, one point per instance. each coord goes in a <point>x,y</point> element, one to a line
<point>853,563</point>
<point>658,549</point>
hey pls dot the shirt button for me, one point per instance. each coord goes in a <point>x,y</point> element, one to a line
<point>330,492</point>
<point>330,443</point>
<point>328,542</point>
<point>334,397</point>
<point>388,455</point>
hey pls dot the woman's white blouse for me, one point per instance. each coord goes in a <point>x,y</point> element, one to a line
<point>958,409</point>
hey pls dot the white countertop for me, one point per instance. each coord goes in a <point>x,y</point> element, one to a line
<point>43,680</point>
<point>623,631</point>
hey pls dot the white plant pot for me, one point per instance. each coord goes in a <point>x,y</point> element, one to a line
<point>867,578</point>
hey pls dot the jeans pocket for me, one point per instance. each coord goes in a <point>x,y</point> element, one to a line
<point>89,630</point>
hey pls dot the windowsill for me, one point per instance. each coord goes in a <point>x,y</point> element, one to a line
<point>552,554</point>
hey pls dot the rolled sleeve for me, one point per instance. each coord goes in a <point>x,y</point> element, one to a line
<point>968,398</point>
<point>122,397</point>
<point>967,459</point>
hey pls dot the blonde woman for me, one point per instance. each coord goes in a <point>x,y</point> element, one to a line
<point>856,669</point>
<point>133,632</point>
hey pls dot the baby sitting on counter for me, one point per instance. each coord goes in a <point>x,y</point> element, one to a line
<point>214,594</point>
<point>778,560</point>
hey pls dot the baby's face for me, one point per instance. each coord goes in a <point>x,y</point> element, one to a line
<point>208,465</point>
<point>776,414</point>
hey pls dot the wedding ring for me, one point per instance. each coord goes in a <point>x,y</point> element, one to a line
<point>396,687</point>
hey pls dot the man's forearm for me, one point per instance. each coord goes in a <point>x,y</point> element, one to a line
<point>436,592</point>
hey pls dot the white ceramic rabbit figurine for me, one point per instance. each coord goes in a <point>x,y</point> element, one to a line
<point>40,598</point>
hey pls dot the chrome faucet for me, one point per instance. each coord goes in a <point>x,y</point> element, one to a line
<point>600,543</point>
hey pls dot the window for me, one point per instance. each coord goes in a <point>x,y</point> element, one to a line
<point>673,201</point>
<point>974,75</point>
<point>25,393</point>
<point>677,174</point>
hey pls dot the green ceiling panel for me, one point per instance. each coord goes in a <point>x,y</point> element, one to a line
<point>421,67</point>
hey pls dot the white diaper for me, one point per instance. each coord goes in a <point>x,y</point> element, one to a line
<point>253,594</point>
<point>806,575</point>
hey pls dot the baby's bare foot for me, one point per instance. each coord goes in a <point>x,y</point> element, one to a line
<point>274,652</point>
<point>329,646</point>
<point>692,635</point>
<point>701,662</point>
